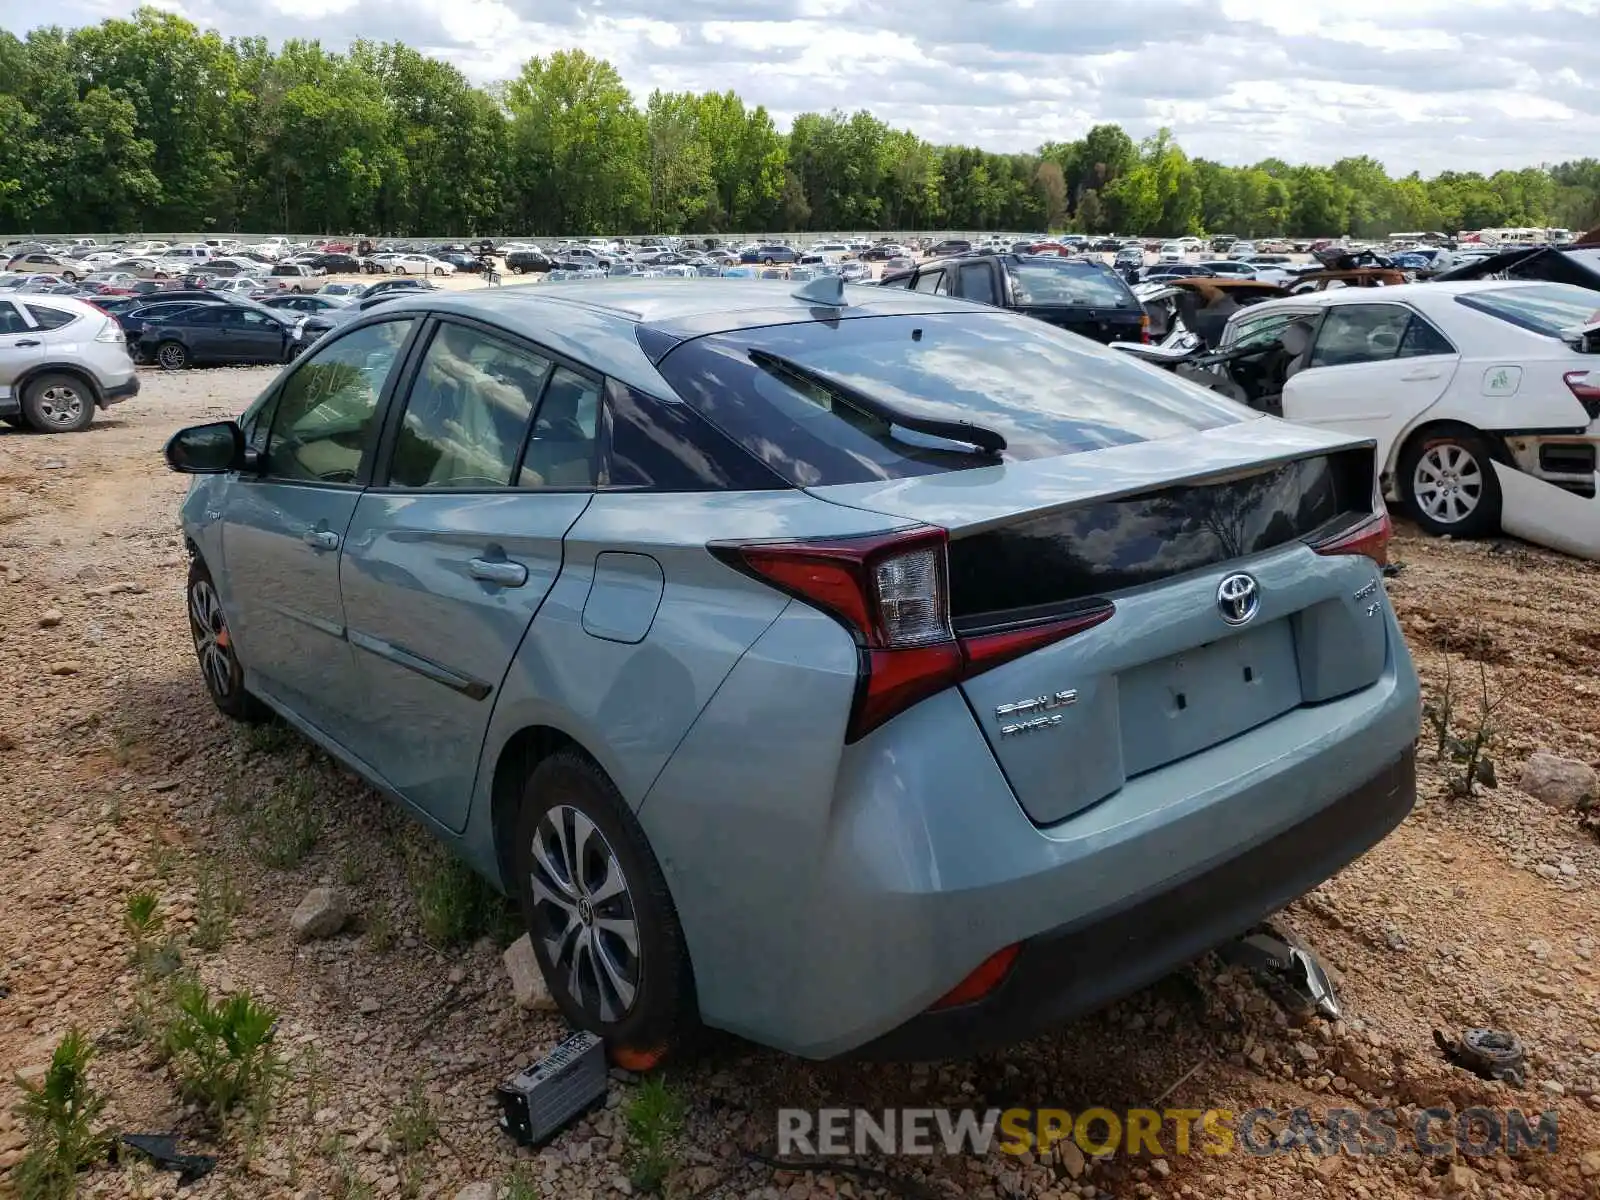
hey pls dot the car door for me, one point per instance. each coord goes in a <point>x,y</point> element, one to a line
<point>450,556</point>
<point>21,346</point>
<point>1372,370</point>
<point>253,336</point>
<point>285,520</point>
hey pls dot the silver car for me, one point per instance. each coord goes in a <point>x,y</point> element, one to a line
<point>60,359</point>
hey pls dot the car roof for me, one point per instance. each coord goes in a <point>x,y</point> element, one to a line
<point>599,322</point>
<point>1403,292</point>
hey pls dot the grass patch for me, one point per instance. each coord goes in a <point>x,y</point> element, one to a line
<point>221,1050</point>
<point>455,903</point>
<point>272,737</point>
<point>520,1185</point>
<point>414,1126</point>
<point>141,917</point>
<point>217,902</point>
<point>380,934</point>
<point>165,861</point>
<point>59,1114</point>
<point>284,827</point>
<point>653,1118</point>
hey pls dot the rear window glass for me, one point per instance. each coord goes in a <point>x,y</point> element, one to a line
<point>1046,391</point>
<point>1066,282</point>
<point>1545,308</point>
<point>50,318</point>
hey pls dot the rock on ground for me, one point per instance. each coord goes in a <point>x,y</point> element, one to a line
<point>1562,782</point>
<point>321,914</point>
<point>527,981</point>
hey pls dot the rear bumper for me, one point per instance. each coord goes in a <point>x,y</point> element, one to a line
<point>118,392</point>
<point>1081,966</point>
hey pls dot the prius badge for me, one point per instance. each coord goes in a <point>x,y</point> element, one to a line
<point>1043,705</point>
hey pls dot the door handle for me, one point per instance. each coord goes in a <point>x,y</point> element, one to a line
<point>321,539</point>
<point>27,342</point>
<point>498,571</point>
<point>1421,373</point>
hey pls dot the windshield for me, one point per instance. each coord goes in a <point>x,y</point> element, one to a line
<point>1065,282</point>
<point>1545,308</point>
<point>1047,392</point>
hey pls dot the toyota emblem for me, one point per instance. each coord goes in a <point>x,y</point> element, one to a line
<point>1238,598</point>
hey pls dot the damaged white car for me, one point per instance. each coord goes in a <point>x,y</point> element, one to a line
<point>1483,396</point>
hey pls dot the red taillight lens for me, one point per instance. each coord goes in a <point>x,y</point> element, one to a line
<point>1585,385</point>
<point>1144,329</point>
<point>988,975</point>
<point>891,592</point>
<point>1370,538</point>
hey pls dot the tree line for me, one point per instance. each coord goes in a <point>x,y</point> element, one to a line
<point>151,124</point>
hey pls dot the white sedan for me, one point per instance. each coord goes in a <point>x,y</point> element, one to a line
<point>1483,396</point>
<point>418,264</point>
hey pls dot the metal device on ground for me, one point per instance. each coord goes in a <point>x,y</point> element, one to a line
<point>540,1101</point>
<point>1288,968</point>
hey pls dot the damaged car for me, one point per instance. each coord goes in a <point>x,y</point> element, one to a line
<point>1483,396</point>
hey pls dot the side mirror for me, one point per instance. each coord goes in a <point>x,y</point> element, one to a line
<point>212,449</point>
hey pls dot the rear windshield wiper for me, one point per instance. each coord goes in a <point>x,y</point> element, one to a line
<point>987,440</point>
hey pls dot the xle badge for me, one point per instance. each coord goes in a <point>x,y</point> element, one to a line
<point>1036,704</point>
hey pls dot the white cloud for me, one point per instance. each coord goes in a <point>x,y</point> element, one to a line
<point>1420,84</point>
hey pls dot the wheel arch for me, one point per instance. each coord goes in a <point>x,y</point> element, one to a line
<point>522,752</point>
<point>1427,427</point>
<point>26,379</point>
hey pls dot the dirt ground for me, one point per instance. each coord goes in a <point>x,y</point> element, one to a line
<point>116,774</point>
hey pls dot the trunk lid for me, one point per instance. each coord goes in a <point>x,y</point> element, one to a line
<point>1153,528</point>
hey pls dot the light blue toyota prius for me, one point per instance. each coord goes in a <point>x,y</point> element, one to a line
<point>863,672</point>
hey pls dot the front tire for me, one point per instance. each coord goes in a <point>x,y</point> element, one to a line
<point>1447,477</point>
<point>57,404</point>
<point>439,271</point>
<point>401,271</point>
<point>600,917</point>
<point>213,647</point>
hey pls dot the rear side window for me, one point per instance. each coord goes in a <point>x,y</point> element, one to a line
<point>1068,283</point>
<point>50,318</point>
<point>1545,308</point>
<point>1046,391</point>
<point>977,283</point>
<point>561,450</point>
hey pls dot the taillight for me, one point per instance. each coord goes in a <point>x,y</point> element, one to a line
<point>1369,538</point>
<point>1585,385</point>
<point>110,331</point>
<point>1144,329</point>
<point>891,592</point>
<point>983,979</point>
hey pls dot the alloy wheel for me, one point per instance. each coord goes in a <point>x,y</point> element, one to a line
<point>585,913</point>
<point>170,357</point>
<point>211,637</point>
<point>1448,483</point>
<point>60,405</point>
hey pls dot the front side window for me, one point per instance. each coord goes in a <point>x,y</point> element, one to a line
<point>977,283</point>
<point>1260,331</point>
<point>930,281</point>
<point>467,414</point>
<point>326,408</point>
<point>11,321</point>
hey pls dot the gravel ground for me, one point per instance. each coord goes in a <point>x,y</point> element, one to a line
<point>116,774</point>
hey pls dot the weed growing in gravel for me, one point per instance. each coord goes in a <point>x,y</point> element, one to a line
<point>1469,749</point>
<point>142,919</point>
<point>283,828</point>
<point>217,902</point>
<point>654,1119</point>
<point>222,1053</point>
<point>455,902</point>
<point>165,861</point>
<point>268,738</point>
<point>380,932</point>
<point>413,1126</point>
<point>59,1114</point>
<point>123,743</point>
<point>520,1185</point>
<point>354,869</point>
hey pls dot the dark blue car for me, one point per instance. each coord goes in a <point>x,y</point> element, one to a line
<point>769,254</point>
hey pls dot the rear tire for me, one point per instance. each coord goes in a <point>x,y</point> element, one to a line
<point>172,356</point>
<point>57,404</point>
<point>1447,477</point>
<point>213,647</point>
<point>589,884</point>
